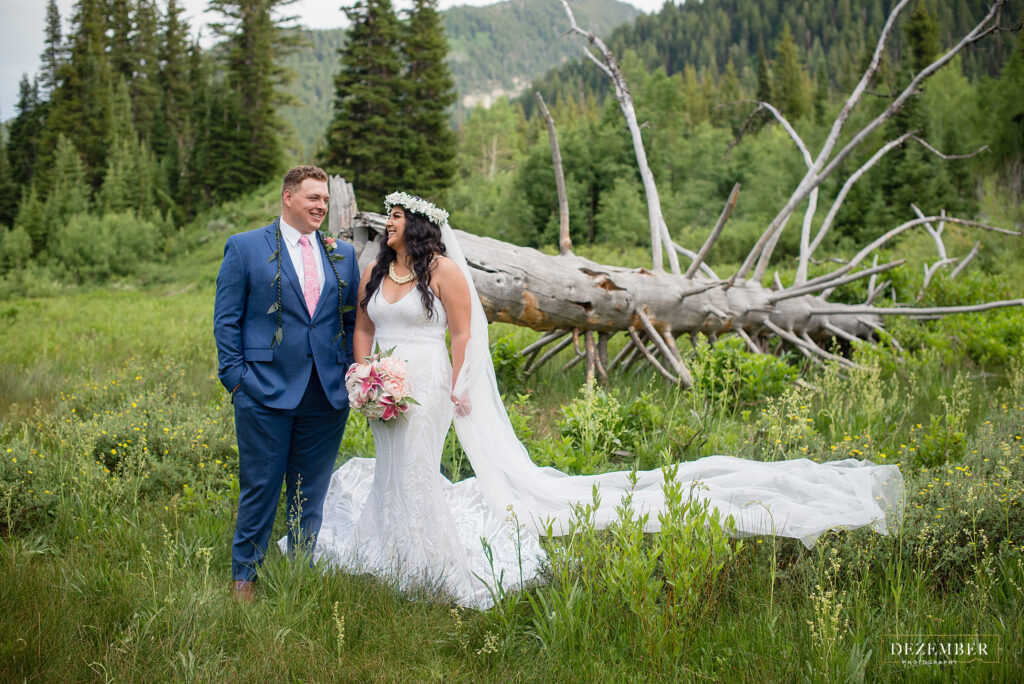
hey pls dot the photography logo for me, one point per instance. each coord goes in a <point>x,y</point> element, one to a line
<point>939,649</point>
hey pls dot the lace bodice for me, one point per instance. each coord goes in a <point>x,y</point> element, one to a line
<point>406,320</point>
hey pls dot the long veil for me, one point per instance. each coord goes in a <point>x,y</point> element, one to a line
<point>795,498</point>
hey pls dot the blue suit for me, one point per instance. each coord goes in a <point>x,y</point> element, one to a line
<point>291,403</point>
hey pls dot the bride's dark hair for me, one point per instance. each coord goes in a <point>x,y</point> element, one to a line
<point>423,242</point>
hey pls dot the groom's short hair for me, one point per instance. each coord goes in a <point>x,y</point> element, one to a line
<point>293,179</point>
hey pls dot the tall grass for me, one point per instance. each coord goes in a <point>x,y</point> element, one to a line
<point>118,484</point>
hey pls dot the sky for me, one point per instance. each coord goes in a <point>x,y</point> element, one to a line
<point>22,23</point>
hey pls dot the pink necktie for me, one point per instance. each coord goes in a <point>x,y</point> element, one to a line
<point>311,285</point>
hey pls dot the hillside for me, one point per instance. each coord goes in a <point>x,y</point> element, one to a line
<point>500,48</point>
<point>496,49</point>
<point>834,35</point>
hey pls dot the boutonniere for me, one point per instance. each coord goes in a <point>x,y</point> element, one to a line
<point>330,244</point>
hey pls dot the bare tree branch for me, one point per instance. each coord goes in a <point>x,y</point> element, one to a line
<point>976,34</point>
<point>650,357</point>
<point>845,190</point>
<point>704,268</point>
<point>659,229</point>
<point>730,204</point>
<point>564,243</point>
<point>831,284</point>
<point>823,166</point>
<point>858,91</point>
<point>839,332</point>
<point>940,247</point>
<point>806,343</point>
<point>751,345</point>
<point>949,157</point>
<point>966,260</point>
<point>655,336</point>
<point>902,228</point>
<point>623,353</point>
<point>924,312</point>
<point>788,127</point>
<point>544,340</point>
<point>875,292</point>
<point>548,355</point>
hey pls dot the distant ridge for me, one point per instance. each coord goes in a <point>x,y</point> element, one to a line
<point>495,50</point>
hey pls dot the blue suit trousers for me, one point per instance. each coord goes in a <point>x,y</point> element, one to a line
<point>297,446</point>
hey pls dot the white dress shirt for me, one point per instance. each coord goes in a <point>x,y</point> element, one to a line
<point>291,241</point>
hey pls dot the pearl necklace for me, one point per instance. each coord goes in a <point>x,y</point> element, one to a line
<point>400,280</point>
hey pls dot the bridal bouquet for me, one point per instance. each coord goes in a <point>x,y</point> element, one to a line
<point>377,388</point>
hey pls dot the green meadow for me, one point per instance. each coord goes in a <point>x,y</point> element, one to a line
<point>118,485</point>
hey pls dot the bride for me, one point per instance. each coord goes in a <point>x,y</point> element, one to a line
<point>397,516</point>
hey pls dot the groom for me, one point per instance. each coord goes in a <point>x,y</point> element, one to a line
<point>283,320</point>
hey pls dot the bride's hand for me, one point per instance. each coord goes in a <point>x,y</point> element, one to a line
<point>463,406</point>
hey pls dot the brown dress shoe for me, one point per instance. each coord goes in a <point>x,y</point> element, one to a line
<point>244,591</point>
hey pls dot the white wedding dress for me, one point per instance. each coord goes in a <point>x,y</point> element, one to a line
<point>397,516</point>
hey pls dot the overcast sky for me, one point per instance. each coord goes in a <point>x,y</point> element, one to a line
<point>22,23</point>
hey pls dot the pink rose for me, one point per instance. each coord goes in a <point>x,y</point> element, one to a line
<point>394,366</point>
<point>395,388</point>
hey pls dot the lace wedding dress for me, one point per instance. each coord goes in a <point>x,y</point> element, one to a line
<point>397,516</point>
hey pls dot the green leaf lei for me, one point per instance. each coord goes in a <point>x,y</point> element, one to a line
<point>277,308</point>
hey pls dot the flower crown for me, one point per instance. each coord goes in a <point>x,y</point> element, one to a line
<point>417,205</point>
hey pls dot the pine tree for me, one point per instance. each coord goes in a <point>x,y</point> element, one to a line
<point>25,132</point>
<point>122,176</point>
<point>194,192</point>
<point>53,51</point>
<point>79,106</point>
<point>32,219</point>
<point>1007,116</point>
<point>790,92</point>
<point>764,75</point>
<point>821,92</point>
<point>8,189</point>
<point>254,40</point>
<point>171,130</point>
<point>909,173</point>
<point>368,138</point>
<point>144,81</point>
<point>69,192</point>
<point>729,91</point>
<point>119,38</point>
<point>430,156</point>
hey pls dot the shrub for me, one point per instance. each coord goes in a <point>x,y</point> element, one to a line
<point>508,365</point>
<point>15,248</point>
<point>96,248</point>
<point>623,590</point>
<point>729,374</point>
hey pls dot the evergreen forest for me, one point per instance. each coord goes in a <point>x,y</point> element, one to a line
<point>134,153</point>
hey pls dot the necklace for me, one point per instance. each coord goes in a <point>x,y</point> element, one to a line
<point>400,280</point>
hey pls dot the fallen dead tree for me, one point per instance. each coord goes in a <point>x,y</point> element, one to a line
<point>581,303</point>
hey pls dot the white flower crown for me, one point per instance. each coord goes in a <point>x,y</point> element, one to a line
<point>417,205</point>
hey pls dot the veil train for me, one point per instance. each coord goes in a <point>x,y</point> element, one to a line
<point>795,498</point>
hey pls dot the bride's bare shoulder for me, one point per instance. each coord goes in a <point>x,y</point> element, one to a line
<point>446,269</point>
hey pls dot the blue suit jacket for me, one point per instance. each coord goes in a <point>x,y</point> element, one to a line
<point>276,374</point>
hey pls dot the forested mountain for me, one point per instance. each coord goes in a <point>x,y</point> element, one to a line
<point>494,50</point>
<point>505,45</point>
<point>833,36</point>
